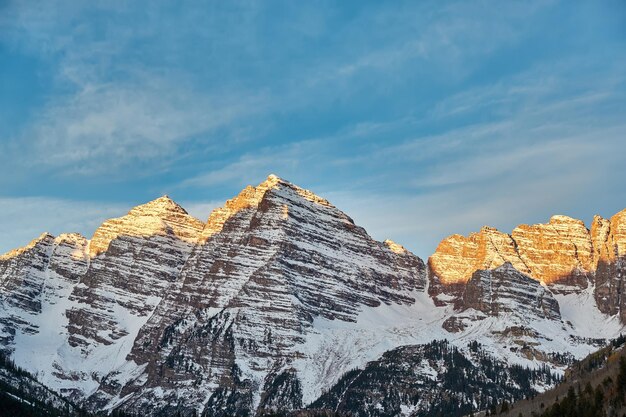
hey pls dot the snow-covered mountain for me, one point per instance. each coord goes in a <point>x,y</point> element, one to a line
<point>279,294</point>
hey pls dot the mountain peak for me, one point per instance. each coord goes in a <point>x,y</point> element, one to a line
<point>273,177</point>
<point>44,237</point>
<point>395,247</point>
<point>251,197</point>
<point>562,219</point>
<point>162,216</point>
<point>272,181</point>
<point>158,207</point>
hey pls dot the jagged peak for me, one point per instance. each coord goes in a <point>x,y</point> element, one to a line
<point>158,206</point>
<point>43,238</point>
<point>560,219</point>
<point>273,178</point>
<point>598,219</point>
<point>395,247</point>
<point>273,181</point>
<point>250,197</point>
<point>159,216</point>
<point>509,268</point>
<point>70,238</point>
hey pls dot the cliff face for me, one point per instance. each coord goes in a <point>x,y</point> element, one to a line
<point>610,272</point>
<point>35,278</point>
<point>134,260</point>
<point>269,263</point>
<point>562,254</point>
<point>503,291</point>
<point>506,290</point>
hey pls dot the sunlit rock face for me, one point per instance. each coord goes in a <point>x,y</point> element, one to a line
<point>458,257</point>
<point>562,254</point>
<point>270,262</point>
<point>559,252</point>
<point>160,217</point>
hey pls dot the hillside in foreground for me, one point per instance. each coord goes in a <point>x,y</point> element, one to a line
<point>592,387</point>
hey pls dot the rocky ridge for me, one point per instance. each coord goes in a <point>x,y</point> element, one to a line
<point>562,254</point>
<point>268,263</point>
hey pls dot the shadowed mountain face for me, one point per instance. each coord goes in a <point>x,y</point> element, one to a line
<point>267,304</point>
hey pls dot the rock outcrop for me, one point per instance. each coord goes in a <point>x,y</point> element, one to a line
<point>503,291</point>
<point>609,239</point>
<point>562,254</point>
<point>506,290</point>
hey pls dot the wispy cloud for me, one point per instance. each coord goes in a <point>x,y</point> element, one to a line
<point>107,127</point>
<point>251,168</point>
<point>130,93</point>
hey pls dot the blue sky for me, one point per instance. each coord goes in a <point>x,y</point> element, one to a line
<point>419,119</point>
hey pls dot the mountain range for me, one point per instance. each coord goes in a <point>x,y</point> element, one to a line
<point>280,302</point>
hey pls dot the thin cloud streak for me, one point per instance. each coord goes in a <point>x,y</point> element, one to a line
<point>109,127</point>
